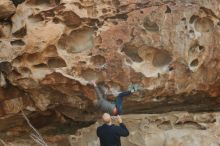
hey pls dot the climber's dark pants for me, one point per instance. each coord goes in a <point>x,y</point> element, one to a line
<point>119,101</point>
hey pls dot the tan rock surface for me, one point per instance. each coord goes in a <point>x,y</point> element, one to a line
<point>51,49</point>
<point>6,8</point>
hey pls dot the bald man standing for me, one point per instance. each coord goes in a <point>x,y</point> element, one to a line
<point>109,134</point>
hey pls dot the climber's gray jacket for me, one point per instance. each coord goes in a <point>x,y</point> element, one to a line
<point>103,103</point>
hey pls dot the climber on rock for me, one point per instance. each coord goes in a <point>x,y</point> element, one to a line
<point>113,108</point>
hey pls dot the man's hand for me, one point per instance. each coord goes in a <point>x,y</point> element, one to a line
<point>94,83</point>
<point>119,119</point>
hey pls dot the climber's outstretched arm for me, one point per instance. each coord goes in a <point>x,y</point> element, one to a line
<point>99,91</point>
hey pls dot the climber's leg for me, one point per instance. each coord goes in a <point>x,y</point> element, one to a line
<point>119,105</point>
<point>119,101</point>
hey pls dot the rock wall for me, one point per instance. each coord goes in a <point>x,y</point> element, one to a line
<point>50,50</point>
<point>170,129</point>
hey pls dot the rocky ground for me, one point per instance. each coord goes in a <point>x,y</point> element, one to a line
<point>168,129</point>
<point>50,50</point>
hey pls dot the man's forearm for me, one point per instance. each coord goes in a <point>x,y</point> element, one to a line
<point>124,130</point>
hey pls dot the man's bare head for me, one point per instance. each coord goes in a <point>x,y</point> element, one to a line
<point>106,118</point>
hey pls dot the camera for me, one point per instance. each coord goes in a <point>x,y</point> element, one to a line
<point>113,117</point>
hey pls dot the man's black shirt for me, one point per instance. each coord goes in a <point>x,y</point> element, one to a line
<point>109,135</point>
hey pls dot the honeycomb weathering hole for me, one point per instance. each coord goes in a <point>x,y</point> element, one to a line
<point>150,26</point>
<point>27,83</point>
<point>24,70</point>
<point>168,10</point>
<point>36,18</point>
<point>189,124</point>
<point>132,52</point>
<point>161,58</point>
<point>50,51</point>
<point>56,62</point>
<point>71,19</point>
<point>201,48</point>
<point>21,32</point>
<point>32,57</point>
<point>166,125</point>
<point>208,11</point>
<point>17,43</point>
<point>193,18</point>
<point>90,74</point>
<point>41,65</point>
<point>98,60</point>
<point>77,41</point>
<point>5,67</point>
<point>194,63</point>
<point>204,24</point>
<point>57,1</point>
<point>1,34</point>
<point>39,2</point>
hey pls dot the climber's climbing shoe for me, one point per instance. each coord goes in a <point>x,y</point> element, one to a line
<point>134,87</point>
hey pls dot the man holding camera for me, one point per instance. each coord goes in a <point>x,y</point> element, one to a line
<point>109,134</point>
